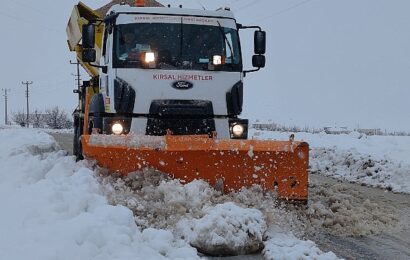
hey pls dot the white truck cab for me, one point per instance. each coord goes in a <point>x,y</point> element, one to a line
<point>169,70</point>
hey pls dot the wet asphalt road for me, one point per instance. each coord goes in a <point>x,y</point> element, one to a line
<point>390,244</point>
<point>65,141</point>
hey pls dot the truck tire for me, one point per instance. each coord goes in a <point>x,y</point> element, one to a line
<point>77,148</point>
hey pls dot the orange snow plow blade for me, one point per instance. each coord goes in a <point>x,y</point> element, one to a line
<point>274,165</point>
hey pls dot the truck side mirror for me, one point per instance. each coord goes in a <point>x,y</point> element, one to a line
<point>260,42</point>
<point>258,61</point>
<point>88,36</point>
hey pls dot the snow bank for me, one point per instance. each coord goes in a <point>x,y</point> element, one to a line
<point>396,148</point>
<point>378,161</point>
<point>53,208</point>
<point>355,167</point>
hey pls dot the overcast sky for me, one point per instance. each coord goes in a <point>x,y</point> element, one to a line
<point>329,62</point>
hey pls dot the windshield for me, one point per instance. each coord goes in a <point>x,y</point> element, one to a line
<point>176,46</point>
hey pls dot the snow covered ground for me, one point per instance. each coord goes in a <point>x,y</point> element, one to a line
<point>378,161</point>
<point>55,208</point>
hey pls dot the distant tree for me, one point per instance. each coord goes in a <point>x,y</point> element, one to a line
<point>19,118</point>
<point>56,118</point>
<point>37,119</point>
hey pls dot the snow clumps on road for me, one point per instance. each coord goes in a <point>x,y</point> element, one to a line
<point>226,229</point>
<point>190,211</point>
<point>281,245</point>
<point>216,224</point>
<point>342,209</point>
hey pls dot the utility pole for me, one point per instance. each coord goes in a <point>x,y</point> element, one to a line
<point>78,73</point>
<point>6,121</point>
<point>27,95</point>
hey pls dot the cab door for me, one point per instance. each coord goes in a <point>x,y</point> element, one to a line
<point>106,70</point>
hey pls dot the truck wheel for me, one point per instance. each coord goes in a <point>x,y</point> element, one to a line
<point>77,148</point>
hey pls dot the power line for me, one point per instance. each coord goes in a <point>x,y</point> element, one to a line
<point>284,10</point>
<point>247,5</point>
<point>5,95</point>
<point>27,95</point>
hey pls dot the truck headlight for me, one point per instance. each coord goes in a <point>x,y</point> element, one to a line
<point>117,129</point>
<point>117,125</point>
<point>149,57</point>
<point>238,128</point>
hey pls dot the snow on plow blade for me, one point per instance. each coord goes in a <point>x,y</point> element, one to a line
<point>274,165</point>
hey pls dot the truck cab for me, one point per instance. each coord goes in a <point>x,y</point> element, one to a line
<point>166,93</point>
<point>168,71</point>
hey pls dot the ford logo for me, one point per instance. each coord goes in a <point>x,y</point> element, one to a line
<point>182,85</point>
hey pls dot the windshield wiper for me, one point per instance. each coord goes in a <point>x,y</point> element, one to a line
<point>179,60</point>
<point>226,40</point>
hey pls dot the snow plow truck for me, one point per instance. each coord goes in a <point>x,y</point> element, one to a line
<point>166,92</point>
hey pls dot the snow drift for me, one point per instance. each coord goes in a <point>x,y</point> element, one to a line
<point>53,208</point>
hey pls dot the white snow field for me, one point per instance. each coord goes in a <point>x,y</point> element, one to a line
<point>377,161</point>
<point>55,208</point>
